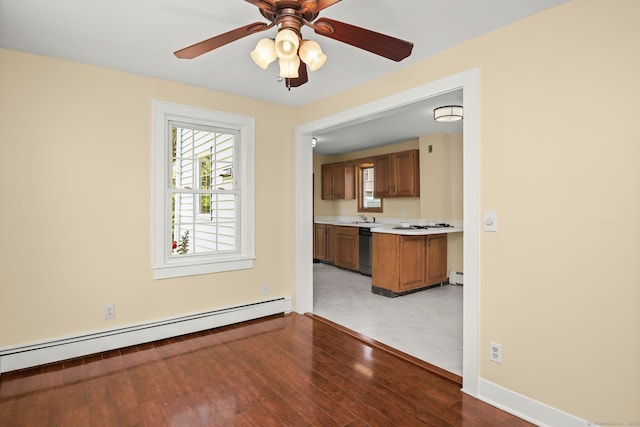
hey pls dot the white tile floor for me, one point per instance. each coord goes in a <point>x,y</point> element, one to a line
<point>425,324</point>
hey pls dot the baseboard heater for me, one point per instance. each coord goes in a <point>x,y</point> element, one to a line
<point>55,350</point>
<point>455,277</point>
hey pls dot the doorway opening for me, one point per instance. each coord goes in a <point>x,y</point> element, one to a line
<point>468,82</point>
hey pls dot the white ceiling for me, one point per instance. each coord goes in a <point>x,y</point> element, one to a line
<point>140,36</point>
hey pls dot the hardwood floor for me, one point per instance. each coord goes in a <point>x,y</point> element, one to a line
<point>288,370</point>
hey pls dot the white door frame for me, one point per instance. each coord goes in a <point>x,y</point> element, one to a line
<point>468,81</point>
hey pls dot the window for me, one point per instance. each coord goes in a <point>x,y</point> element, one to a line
<point>203,200</point>
<point>366,185</point>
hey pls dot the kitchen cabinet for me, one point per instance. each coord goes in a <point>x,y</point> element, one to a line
<point>397,174</point>
<point>331,244</point>
<point>346,248</point>
<point>436,271</point>
<point>324,242</point>
<point>404,263</point>
<point>320,242</point>
<point>338,181</point>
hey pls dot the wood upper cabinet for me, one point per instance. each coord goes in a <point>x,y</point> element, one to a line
<point>403,263</point>
<point>338,181</point>
<point>397,174</point>
<point>347,253</point>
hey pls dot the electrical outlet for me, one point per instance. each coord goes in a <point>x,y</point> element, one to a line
<point>403,212</point>
<point>109,311</point>
<point>265,288</point>
<point>495,352</point>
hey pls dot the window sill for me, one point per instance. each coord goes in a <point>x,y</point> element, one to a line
<point>200,267</point>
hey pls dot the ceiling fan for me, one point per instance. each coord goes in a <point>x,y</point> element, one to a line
<point>295,53</point>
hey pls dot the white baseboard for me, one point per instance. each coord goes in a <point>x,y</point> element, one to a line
<point>58,349</point>
<point>526,408</point>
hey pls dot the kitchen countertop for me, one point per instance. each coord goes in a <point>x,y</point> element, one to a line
<point>418,231</point>
<point>380,227</point>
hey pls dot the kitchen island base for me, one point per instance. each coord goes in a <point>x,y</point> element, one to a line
<point>391,294</point>
<point>403,263</point>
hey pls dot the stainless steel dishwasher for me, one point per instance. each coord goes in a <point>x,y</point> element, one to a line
<point>366,246</point>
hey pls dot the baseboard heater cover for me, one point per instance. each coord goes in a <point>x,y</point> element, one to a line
<point>455,277</point>
<point>55,350</point>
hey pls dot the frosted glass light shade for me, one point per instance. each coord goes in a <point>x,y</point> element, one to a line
<point>287,43</point>
<point>312,55</point>
<point>264,53</point>
<point>448,113</point>
<point>289,67</point>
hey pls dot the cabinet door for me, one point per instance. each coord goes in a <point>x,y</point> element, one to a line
<point>333,181</point>
<point>338,180</point>
<point>327,182</point>
<point>384,261</point>
<point>331,243</point>
<point>382,177</point>
<point>406,168</point>
<point>349,181</point>
<point>347,254</point>
<point>436,258</point>
<point>412,262</point>
<point>320,242</point>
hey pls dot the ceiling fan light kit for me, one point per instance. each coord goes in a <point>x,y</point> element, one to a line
<point>287,43</point>
<point>295,54</point>
<point>312,55</point>
<point>289,67</point>
<point>448,113</point>
<point>264,53</point>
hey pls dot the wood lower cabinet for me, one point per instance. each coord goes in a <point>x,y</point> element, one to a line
<point>404,263</point>
<point>436,258</point>
<point>320,242</point>
<point>331,243</point>
<point>337,245</point>
<point>346,249</point>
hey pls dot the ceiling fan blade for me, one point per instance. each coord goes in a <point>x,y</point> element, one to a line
<point>314,6</point>
<point>220,40</point>
<point>371,41</point>
<point>263,4</point>
<point>323,4</point>
<point>301,79</point>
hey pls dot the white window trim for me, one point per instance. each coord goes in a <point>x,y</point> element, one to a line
<point>167,266</point>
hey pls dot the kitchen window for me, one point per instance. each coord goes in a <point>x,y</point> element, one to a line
<point>366,186</point>
<point>203,199</point>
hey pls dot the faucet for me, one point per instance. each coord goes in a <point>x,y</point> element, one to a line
<point>364,218</point>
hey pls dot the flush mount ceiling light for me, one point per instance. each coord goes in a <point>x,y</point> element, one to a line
<point>295,54</point>
<point>448,113</point>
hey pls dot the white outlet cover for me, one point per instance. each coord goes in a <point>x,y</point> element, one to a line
<point>495,352</point>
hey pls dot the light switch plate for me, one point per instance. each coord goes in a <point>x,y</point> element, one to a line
<point>490,221</point>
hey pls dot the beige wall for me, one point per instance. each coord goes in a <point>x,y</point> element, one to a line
<point>441,177</point>
<point>75,183</point>
<point>559,149</point>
